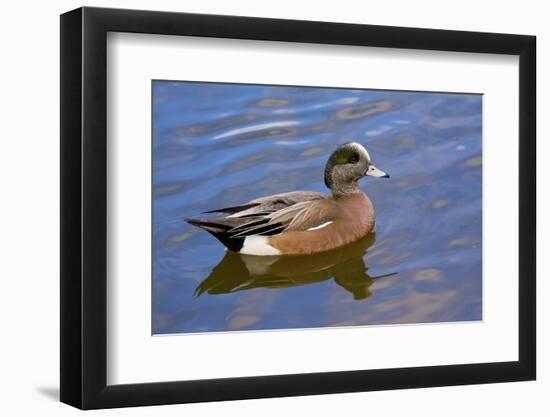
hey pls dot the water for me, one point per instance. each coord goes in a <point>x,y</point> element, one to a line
<point>217,145</point>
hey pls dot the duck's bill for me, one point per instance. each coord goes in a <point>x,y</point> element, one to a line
<point>375,172</point>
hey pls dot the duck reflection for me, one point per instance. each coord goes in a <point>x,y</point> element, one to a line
<point>345,265</point>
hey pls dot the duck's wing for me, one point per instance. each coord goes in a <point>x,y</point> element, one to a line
<point>265,216</point>
<point>307,215</point>
<point>269,204</point>
<point>301,216</point>
<point>234,209</point>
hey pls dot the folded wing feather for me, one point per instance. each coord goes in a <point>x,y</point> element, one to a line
<point>294,211</point>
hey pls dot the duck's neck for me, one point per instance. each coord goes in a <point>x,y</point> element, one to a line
<point>340,183</point>
<point>343,189</point>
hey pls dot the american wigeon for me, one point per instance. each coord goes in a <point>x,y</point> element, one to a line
<point>302,222</point>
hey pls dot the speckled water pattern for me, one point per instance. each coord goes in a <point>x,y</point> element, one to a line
<point>217,145</point>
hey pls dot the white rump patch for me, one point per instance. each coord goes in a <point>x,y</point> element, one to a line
<point>257,245</point>
<point>320,226</point>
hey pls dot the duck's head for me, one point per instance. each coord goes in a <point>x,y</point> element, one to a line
<point>346,166</point>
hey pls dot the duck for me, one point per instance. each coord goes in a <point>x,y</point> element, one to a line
<point>302,222</point>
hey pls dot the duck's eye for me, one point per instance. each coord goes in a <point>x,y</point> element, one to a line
<point>354,158</point>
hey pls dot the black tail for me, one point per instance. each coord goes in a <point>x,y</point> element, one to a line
<point>220,232</point>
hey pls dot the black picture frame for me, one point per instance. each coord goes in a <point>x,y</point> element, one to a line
<point>84,207</point>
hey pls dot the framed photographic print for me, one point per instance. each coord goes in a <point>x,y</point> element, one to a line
<point>259,207</point>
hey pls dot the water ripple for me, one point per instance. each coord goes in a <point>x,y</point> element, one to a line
<point>256,128</point>
<point>218,145</point>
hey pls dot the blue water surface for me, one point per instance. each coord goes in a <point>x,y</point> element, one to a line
<point>218,145</point>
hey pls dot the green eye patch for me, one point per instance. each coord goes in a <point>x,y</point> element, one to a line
<point>343,156</point>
